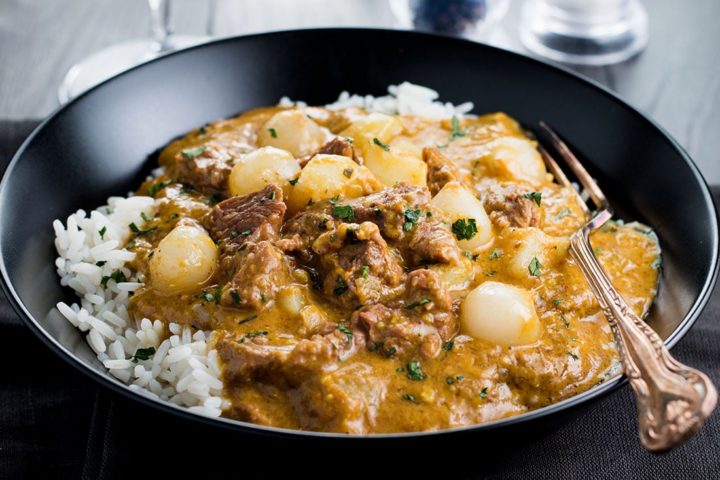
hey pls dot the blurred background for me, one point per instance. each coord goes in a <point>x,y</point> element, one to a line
<point>675,78</point>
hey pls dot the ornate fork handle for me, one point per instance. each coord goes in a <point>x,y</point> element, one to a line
<point>673,399</point>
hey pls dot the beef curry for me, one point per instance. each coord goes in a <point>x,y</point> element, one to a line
<point>366,273</point>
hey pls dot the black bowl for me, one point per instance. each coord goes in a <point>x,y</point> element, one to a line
<point>102,144</point>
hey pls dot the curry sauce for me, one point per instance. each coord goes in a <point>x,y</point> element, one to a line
<point>337,284</point>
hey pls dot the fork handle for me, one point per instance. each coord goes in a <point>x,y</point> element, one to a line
<point>673,399</point>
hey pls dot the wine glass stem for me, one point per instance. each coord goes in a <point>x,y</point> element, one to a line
<point>160,24</point>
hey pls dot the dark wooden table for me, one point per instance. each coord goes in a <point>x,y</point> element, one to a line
<point>676,80</point>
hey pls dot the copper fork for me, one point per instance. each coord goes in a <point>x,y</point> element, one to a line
<point>673,400</point>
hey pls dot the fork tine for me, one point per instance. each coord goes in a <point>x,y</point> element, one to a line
<point>582,175</point>
<point>560,176</point>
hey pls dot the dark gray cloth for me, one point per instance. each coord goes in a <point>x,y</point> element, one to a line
<point>54,422</point>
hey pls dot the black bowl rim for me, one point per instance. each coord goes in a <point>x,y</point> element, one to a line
<point>236,425</point>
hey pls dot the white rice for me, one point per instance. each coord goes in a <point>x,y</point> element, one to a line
<point>404,99</point>
<point>183,370</point>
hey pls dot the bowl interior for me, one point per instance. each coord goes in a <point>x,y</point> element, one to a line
<point>103,144</point>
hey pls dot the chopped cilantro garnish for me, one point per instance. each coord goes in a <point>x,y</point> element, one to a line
<point>573,356</point>
<point>495,254</point>
<point>348,172</point>
<point>346,331</point>
<point>247,319</point>
<point>420,302</point>
<point>213,296</point>
<point>566,324</point>
<point>365,271</point>
<point>156,187</point>
<point>145,217</point>
<point>456,131</point>
<point>294,181</point>
<point>143,354</point>
<point>464,228</point>
<point>414,371</point>
<point>273,132</point>
<point>214,200</point>
<point>563,213</point>
<point>253,335</point>
<point>102,232</point>
<point>235,297</point>
<point>340,286</point>
<point>345,212</point>
<point>483,393</point>
<point>191,153</point>
<point>411,218</point>
<point>447,346</point>
<point>535,267</point>
<point>138,232</point>
<point>380,144</point>
<point>409,398</point>
<point>101,263</point>
<point>536,196</point>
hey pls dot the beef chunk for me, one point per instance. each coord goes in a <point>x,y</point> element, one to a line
<point>433,242</point>
<point>260,270</point>
<point>344,400</point>
<point>358,266</point>
<point>300,231</point>
<point>338,146</point>
<point>406,219</point>
<point>419,326</point>
<point>510,205</point>
<point>250,218</point>
<point>206,168</point>
<point>441,170</point>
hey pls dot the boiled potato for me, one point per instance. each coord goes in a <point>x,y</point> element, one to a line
<point>460,205</point>
<point>293,131</point>
<point>376,125</point>
<point>500,313</point>
<point>395,166</point>
<point>184,260</point>
<point>327,176</point>
<point>517,159</point>
<point>261,167</point>
<point>455,276</point>
<point>532,243</point>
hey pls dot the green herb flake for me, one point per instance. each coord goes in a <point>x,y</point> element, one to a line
<point>156,187</point>
<point>400,369</point>
<point>143,354</point>
<point>390,352</point>
<point>273,132</point>
<point>380,144</point>
<point>191,153</point>
<point>294,181</point>
<point>138,232</point>
<point>235,296</point>
<point>557,302</point>
<point>271,196</point>
<point>348,172</point>
<point>536,196</point>
<point>496,254</point>
<point>234,234</point>
<point>334,200</point>
<point>657,263</point>
<point>100,263</point>
<point>573,356</point>
<point>491,273</point>
<point>346,331</point>
<point>345,212</point>
<point>211,297</point>
<point>535,267</point>
<point>214,200</point>
<point>411,218</point>
<point>420,302</point>
<point>102,232</point>
<point>447,346</point>
<point>414,371</point>
<point>563,213</point>
<point>409,398</point>
<point>245,233</point>
<point>247,319</point>
<point>340,286</point>
<point>263,298</point>
<point>464,228</point>
<point>449,380</point>
<point>566,324</point>
<point>365,271</point>
<point>483,393</point>
<point>145,217</point>
<point>202,130</point>
<point>456,131</point>
<point>250,335</point>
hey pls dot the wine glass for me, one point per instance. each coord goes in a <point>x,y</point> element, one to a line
<point>117,58</point>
